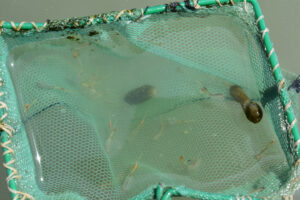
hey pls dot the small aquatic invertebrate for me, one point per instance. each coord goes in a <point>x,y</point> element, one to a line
<point>251,109</point>
<point>139,126</point>
<point>161,130</point>
<point>110,137</point>
<point>27,106</point>
<point>259,155</point>
<point>140,94</point>
<point>205,91</point>
<point>181,159</point>
<point>128,178</point>
<point>189,164</point>
<point>194,164</point>
<point>75,54</point>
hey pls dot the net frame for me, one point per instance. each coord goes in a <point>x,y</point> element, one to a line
<point>160,191</point>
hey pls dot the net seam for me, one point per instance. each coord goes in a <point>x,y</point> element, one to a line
<point>13,175</point>
<point>280,86</point>
<point>288,197</point>
<point>178,192</point>
<point>91,20</point>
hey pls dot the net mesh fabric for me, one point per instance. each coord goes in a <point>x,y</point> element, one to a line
<point>87,142</point>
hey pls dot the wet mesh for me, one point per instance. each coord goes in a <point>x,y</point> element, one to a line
<point>79,137</point>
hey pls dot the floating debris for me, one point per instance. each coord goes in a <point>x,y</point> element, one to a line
<point>71,37</point>
<point>161,130</point>
<point>194,164</point>
<point>295,85</point>
<point>258,156</point>
<point>27,106</point>
<point>257,190</point>
<point>92,33</point>
<point>188,164</point>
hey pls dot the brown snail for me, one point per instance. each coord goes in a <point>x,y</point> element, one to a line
<point>251,109</point>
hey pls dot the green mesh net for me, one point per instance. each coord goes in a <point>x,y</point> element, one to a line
<point>141,108</point>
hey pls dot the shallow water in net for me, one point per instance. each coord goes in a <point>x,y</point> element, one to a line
<point>89,139</point>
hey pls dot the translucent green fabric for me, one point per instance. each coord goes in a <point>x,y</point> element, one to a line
<point>119,110</point>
